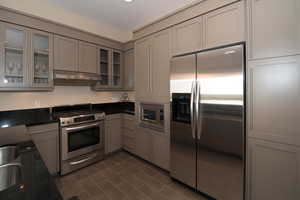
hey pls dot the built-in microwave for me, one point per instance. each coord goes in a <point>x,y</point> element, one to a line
<point>152,116</point>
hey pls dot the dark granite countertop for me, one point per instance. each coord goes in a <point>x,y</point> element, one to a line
<point>36,182</point>
<point>31,117</point>
<point>115,108</point>
<point>28,117</point>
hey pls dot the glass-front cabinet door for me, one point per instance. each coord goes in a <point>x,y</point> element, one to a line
<point>13,51</point>
<point>104,67</point>
<point>41,59</point>
<point>116,69</point>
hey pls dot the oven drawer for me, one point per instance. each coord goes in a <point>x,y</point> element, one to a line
<point>76,163</point>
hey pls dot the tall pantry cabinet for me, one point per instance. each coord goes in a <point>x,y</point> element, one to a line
<point>273,156</point>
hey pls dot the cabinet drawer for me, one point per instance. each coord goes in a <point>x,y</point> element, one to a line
<point>129,117</point>
<point>129,144</point>
<point>113,116</point>
<point>128,133</point>
<point>128,124</point>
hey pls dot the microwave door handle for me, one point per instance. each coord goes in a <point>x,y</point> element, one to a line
<point>78,128</point>
<point>192,103</point>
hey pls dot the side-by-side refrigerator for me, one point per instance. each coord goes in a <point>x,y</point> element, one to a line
<point>207,121</point>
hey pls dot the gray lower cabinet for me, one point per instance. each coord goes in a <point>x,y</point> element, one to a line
<point>161,150</point>
<point>153,147</point>
<point>113,140</point>
<point>273,170</point>
<point>46,139</point>
<point>144,144</point>
<point>129,133</point>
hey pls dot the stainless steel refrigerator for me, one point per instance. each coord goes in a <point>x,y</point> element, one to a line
<point>207,121</point>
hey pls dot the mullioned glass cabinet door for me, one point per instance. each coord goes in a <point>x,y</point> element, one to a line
<point>104,67</point>
<point>41,59</point>
<point>116,69</point>
<point>13,52</point>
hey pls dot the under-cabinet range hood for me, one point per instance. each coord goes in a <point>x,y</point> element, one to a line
<point>75,78</point>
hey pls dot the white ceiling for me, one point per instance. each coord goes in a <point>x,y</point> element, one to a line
<point>122,15</point>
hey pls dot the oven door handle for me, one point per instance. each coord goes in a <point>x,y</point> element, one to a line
<point>83,160</point>
<point>78,128</point>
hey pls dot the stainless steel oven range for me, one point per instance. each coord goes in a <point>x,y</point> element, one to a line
<point>81,139</point>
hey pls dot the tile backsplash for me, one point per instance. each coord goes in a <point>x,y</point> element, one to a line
<point>62,95</point>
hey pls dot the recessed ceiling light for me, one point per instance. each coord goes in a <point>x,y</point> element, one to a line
<point>128,1</point>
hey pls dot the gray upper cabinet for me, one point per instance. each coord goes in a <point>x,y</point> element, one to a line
<point>41,59</point>
<point>220,27</point>
<point>225,26</point>
<point>142,68</point>
<point>187,36</point>
<point>274,28</point>
<point>152,60</point>
<point>88,58</point>
<point>110,68</point>
<point>14,56</point>
<point>117,69</point>
<point>160,67</point>
<point>129,70</point>
<point>26,58</point>
<point>65,54</point>
<point>104,67</point>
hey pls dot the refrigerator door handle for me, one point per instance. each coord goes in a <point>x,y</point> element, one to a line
<point>192,104</point>
<point>198,110</point>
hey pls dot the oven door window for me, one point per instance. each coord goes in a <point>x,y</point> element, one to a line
<point>83,138</point>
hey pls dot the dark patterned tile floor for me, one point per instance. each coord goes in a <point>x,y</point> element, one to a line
<point>123,177</point>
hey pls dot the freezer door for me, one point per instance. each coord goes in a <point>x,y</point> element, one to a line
<point>220,132</point>
<point>183,130</point>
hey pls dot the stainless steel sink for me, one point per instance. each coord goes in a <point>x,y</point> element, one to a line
<point>10,167</point>
<point>8,154</point>
<point>10,175</point>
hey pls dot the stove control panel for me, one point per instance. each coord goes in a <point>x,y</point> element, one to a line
<point>66,121</point>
